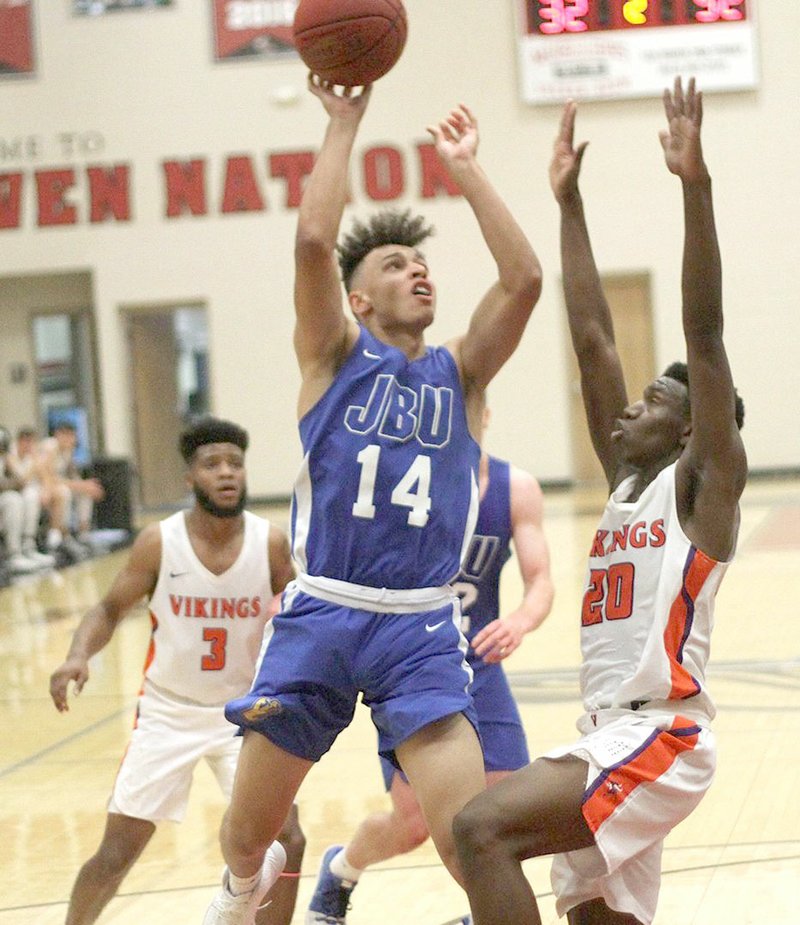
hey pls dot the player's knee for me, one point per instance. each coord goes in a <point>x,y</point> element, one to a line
<point>477,828</point>
<point>467,829</point>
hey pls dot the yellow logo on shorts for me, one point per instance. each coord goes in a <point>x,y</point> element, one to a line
<point>263,707</point>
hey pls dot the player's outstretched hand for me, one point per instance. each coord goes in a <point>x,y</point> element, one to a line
<point>72,670</point>
<point>565,165</point>
<point>681,139</point>
<point>346,102</point>
<point>456,137</point>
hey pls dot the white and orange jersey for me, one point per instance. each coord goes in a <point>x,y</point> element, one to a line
<point>207,628</point>
<point>648,607</point>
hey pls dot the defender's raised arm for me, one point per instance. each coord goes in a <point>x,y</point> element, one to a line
<point>591,329</point>
<point>713,467</point>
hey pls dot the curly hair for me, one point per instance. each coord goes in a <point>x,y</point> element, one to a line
<point>386,227</point>
<point>680,372</point>
<point>208,429</point>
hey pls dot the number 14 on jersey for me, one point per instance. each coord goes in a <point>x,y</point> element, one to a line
<point>412,491</point>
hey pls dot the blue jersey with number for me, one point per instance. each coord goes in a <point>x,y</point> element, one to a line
<point>478,582</point>
<point>387,493</point>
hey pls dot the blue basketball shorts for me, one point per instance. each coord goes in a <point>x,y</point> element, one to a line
<point>505,746</point>
<point>318,655</point>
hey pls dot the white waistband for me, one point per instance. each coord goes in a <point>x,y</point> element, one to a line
<point>661,712</point>
<point>383,600</point>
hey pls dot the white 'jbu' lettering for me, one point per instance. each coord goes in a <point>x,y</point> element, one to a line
<point>397,412</point>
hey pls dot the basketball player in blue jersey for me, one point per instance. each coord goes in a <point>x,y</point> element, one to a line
<point>676,467</point>
<point>210,574</point>
<point>383,508</point>
<point>510,509</point>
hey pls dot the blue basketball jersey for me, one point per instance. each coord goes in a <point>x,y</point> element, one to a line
<point>387,492</point>
<point>478,582</point>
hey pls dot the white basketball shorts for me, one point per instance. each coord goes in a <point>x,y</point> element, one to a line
<point>646,774</point>
<point>170,736</point>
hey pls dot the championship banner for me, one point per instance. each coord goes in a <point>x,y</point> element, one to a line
<point>16,38</point>
<point>253,29</point>
<point>617,49</point>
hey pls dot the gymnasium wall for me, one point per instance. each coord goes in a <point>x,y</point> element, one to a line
<point>133,91</point>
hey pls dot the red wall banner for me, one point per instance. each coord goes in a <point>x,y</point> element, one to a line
<point>16,38</point>
<point>253,29</point>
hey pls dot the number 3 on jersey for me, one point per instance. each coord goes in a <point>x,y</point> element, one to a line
<point>609,595</point>
<point>412,491</point>
<point>215,660</point>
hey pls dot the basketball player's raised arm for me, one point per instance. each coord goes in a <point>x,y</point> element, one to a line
<point>713,467</point>
<point>498,639</point>
<point>136,580</point>
<point>590,325</point>
<point>498,322</point>
<point>323,333</point>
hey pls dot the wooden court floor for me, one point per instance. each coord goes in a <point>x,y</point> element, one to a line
<point>736,861</point>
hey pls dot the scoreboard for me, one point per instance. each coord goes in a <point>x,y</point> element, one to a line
<point>613,49</point>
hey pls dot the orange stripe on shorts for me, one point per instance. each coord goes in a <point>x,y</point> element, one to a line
<point>646,763</point>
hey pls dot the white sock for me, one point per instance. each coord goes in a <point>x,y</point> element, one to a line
<point>239,885</point>
<point>343,869</point>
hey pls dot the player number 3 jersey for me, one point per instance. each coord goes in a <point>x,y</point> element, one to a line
<point>207,628</point>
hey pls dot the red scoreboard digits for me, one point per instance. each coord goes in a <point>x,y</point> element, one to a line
<point>557,17</point>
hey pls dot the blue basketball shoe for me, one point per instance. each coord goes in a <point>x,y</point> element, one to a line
<point>331,898</point>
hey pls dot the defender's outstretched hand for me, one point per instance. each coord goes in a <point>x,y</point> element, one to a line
<point>681,139</point>
<point>566,163</point>
<point>456,137</point>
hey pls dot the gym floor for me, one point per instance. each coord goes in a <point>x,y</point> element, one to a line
<point>735,861</point>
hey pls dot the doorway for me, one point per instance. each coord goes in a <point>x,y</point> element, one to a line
<point>169,367</point>
<point>48,354</point>
<point>628,297</point>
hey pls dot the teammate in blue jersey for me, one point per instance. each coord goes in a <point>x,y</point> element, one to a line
<point>384,506</point>
<point>510,509</point>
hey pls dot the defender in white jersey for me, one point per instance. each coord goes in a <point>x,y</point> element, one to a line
<point>676,467</point>
<point>210,574</point>
<point>385,502</point>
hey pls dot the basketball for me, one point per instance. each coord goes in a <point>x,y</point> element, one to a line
<point>350,42</point>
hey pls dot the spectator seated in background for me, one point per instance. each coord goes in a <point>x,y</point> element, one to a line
<point>67,497</point>
<point>20,507</point>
